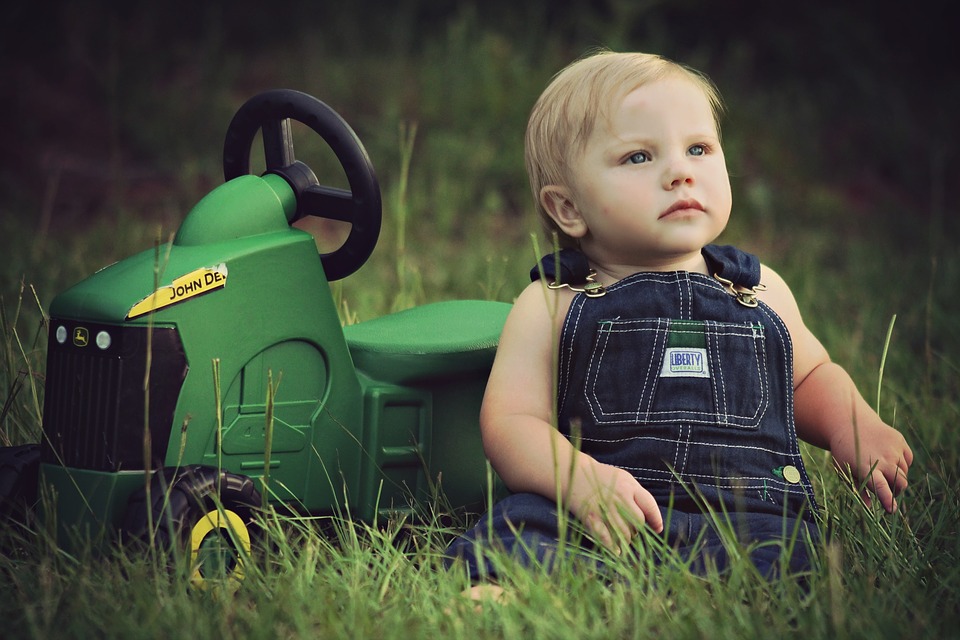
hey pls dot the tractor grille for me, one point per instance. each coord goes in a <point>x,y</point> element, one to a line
<point>93,413</point>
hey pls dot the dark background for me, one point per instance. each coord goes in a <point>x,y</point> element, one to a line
<point>111,104</point>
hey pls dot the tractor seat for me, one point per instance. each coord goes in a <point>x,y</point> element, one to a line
<point>436,340</point>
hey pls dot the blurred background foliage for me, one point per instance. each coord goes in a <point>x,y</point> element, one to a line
<point>130,100</point>
<point>841,137</point>
<point>858,96</point>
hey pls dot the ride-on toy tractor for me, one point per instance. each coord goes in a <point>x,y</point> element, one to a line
<point>190,385</point>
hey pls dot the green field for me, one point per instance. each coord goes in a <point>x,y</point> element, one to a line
<point>841,161</point>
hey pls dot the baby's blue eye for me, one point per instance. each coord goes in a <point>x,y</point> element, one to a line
<point>697,150</point>
<point>639,157</point>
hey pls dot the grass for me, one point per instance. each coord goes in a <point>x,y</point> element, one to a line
<point>348,580</point>
<point>442,121</point>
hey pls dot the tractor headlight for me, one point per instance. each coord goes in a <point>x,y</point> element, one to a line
<point>61,334</point>
<point>103,340</point>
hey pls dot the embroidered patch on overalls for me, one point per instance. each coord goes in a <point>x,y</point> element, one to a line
<point>685,363</point>
<point>686,353</point>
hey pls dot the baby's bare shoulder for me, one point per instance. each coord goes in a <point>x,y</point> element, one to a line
<point>808,352</point>
<point>540,304</point>
<point>777,293</point>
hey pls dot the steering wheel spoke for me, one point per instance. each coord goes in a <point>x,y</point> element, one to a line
<point>328,202</point>
<point>278,143</point>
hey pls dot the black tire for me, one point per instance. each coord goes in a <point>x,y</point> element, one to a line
<point>201,514</point>
<point>19,475</point>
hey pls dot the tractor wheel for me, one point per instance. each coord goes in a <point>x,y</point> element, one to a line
<point>19,468</point>
<point>201,514</point>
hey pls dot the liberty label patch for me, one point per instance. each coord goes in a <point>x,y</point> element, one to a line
<point>685,362</point>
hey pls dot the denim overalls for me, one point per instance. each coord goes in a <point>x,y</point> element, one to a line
<point>686,381</point>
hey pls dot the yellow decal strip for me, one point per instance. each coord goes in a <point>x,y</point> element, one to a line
<point>183,288</point>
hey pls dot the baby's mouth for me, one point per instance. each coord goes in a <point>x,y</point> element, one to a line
<point>682,205</point>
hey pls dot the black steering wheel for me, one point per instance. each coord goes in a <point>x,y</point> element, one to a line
<point>271,111</point>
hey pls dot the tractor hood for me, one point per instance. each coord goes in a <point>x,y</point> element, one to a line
<point>244,216</point>
<point>157,280</point>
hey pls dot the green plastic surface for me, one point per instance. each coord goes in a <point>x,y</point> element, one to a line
<point>244,207</point>
<point>432,341</point>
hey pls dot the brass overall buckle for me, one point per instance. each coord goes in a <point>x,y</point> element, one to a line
<point>747,296</point>
<point>591,287</point>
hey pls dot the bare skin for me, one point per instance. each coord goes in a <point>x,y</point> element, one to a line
<point>651,190</point>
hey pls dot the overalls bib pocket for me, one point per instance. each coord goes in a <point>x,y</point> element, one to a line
<point>658,371</point>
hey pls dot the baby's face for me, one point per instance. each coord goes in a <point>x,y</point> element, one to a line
<point>652,182</point>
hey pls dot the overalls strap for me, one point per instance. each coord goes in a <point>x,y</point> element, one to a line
<point>568,266</point>
<point>740,268</point>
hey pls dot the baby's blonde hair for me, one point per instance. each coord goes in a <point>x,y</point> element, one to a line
<point>567,112</point>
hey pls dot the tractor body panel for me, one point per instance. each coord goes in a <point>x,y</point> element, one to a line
<point>85,505</point>
<point>425,372</point>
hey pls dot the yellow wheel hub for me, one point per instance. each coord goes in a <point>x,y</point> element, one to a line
<point>219,542</point>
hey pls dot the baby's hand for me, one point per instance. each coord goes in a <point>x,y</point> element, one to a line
<point>879,455</point>
<point>612,504</point>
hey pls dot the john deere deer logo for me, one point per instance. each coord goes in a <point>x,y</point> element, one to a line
<point>81,337</point>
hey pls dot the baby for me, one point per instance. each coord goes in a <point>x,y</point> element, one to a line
<point>648,376</point>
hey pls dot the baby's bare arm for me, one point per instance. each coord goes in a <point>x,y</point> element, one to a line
<point>519,437</point>
<point>830,413</point>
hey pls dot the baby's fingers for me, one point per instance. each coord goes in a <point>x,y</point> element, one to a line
<point>890,482</point>
<point>597,527</point>
<point>900,476</point>
<point>646,504</point>
<point>881,488</point>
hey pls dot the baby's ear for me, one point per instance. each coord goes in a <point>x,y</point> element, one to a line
<point>558,202</point>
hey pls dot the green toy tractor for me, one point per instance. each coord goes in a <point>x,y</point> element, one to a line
<point>187,387</point>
